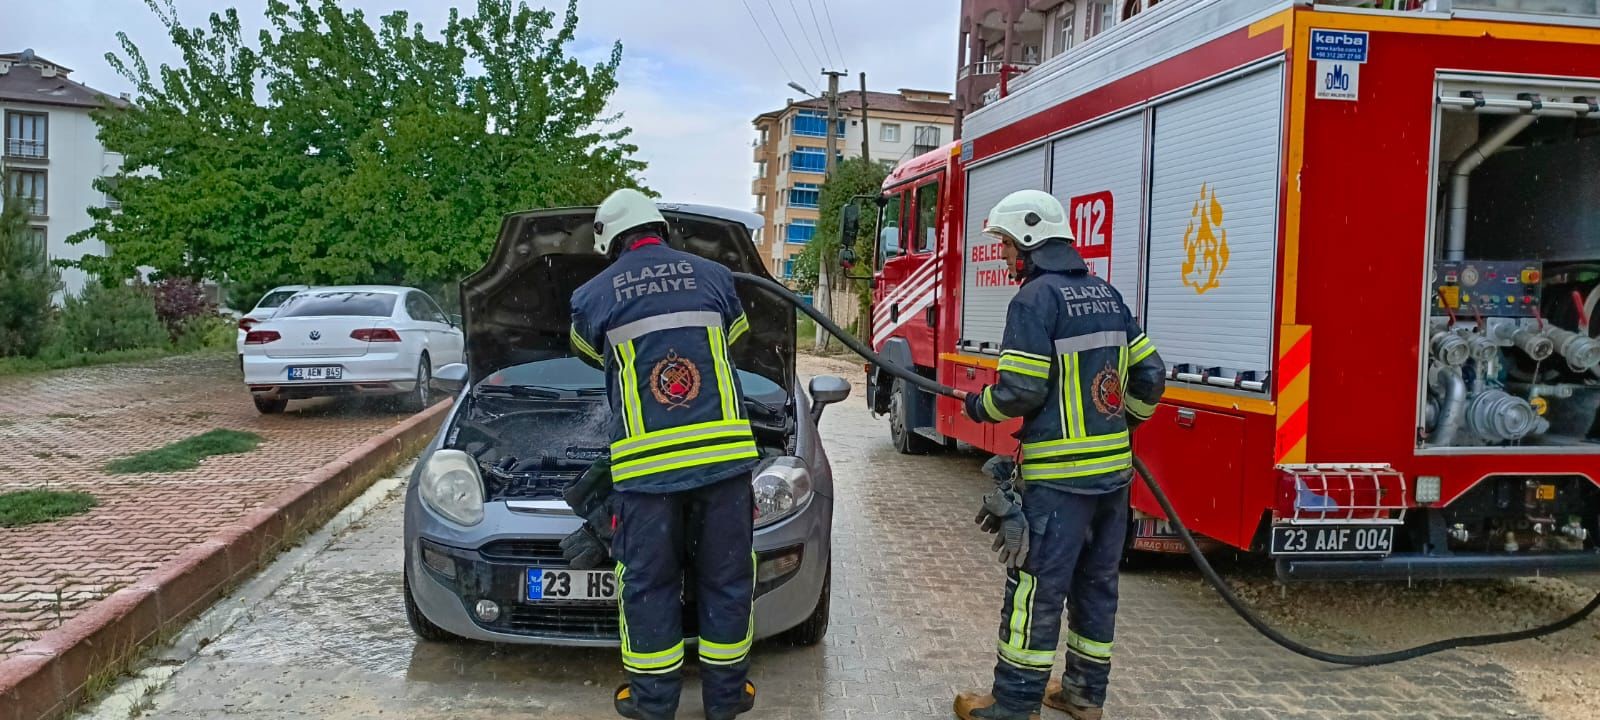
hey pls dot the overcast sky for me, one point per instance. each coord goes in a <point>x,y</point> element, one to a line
<point>694,72</point>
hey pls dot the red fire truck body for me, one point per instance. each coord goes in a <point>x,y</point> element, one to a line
<point>1347,232</point>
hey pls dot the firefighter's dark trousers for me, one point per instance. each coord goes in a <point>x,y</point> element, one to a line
<point>652,530</point>
<point>1075,547</point>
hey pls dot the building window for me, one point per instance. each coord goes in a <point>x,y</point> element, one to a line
<point>27,134</point>
<point>805,195</point>
<point>813,160</point>
<point>1102,15</point>
<point>801,231</point>
<point>925,140</point>
<point>39,240</point>
<point>811,123</point>
<point>1066,17</point>
<point>29,185</point>
<point>111,187</point>
<point>761,169</point>
<point>889,132</point>
<point>1130,8</point>
<point>788,267</point>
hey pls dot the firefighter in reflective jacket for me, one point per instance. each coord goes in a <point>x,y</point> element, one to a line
<point>660,322</point>
<point>1078,370</point>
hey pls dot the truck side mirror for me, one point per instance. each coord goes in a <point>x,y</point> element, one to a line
<point>849,225</point>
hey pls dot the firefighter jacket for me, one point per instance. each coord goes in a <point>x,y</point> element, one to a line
<point>660,321</point>
<point>1076,367</point>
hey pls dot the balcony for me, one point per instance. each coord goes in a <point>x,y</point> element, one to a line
<point>26,149</point>
<point>992,67</point>
<point>760,185</point>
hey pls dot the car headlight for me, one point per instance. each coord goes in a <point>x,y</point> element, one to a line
<point>782,487</point>
<point>452,486</point>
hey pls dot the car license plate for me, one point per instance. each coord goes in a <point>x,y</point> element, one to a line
<point>1343,539</point>
<point>554,584</point>
<point>321,372</point>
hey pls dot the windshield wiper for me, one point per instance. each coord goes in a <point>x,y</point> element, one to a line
<point>541,391</point>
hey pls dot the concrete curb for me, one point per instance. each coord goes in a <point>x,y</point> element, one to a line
<point>54,673</point>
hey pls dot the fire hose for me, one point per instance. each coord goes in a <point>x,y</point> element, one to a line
<point>1209,573</point>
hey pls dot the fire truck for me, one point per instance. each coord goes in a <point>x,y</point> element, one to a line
<point>1365,241</point>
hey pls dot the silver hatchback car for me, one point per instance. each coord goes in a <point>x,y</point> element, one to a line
<point>484,512</point>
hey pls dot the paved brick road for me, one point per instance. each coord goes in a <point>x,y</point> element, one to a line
<point>59,429</point>
<point>915,608</point>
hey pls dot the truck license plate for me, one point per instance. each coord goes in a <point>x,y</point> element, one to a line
<point>1351,539</point>
<point>554,584</point>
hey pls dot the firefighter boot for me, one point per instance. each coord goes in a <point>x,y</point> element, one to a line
<point>972,706</point>
<point>1057,697</point>
<point>626,705</point>
<point>747,702</point>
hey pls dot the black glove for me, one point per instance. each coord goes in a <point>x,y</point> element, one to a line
<point>1002,514</point>
<point>972,406</point>
<point>591,490</point>
<point>584,550</point>
<point>1002,469</point>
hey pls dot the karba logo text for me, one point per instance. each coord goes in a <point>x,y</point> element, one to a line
<point>1339,38</point>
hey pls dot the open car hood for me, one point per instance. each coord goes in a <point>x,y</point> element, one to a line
<point>517,309</point>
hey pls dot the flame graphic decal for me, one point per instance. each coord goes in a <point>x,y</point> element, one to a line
<point>1205,243</point>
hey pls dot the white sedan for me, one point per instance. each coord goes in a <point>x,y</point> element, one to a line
<point>372,340</point>
<point>265,308</point>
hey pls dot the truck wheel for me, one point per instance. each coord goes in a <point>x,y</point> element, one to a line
<point>811,631</point>
<point>270,406</point>
<point>420,624</point>
<point>906,440</point>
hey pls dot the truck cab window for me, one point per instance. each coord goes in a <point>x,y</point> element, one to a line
<point>927,217</point>
<point>889,228</point>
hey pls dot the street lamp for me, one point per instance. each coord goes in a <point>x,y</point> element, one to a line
<point>801,88</point>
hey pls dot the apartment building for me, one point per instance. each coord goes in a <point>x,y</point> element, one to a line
<point>790,154</point>
<point>52,153</point>
<point>1009,37</point>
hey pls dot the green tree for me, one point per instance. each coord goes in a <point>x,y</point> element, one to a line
<point>335,150</point>
<point>27,280</point>
<point>853,177</point>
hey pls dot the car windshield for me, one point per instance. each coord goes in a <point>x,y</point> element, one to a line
<point>570,373</point>
<point>369,304</point>
<point>275,298</point>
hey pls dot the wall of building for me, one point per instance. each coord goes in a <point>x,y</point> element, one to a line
<point>75,159</point>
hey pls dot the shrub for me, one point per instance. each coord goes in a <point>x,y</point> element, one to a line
<point>206,333</point>
<point>103,319</point>
<point>179,300</point>
<point>27,280</point>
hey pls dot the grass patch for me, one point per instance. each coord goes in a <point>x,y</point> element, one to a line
<point>27,366</point>
<point>27,507</point>
<point>186,454</point>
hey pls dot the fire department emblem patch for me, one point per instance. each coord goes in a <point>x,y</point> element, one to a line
<point>1106,391</point>
<point>675,381</point>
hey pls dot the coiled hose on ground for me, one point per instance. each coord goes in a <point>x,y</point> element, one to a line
<point>1208,572</point>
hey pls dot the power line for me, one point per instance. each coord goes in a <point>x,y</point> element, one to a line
<point>781,66</point>
<point>786,38</point>
<point>807,36</point>
<point>835,31</point>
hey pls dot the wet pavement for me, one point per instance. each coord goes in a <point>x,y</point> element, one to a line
<point>915,601</point>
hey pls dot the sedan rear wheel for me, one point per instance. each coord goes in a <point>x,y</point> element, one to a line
<point>271,406</point>
<point>422,395</point>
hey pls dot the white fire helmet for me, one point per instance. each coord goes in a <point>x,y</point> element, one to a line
<point>1028,218</point>
<point>620,212</point>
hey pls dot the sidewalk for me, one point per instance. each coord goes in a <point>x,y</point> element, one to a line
<point>58,430</point>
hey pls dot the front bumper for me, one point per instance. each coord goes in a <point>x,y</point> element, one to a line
<point>494,570</point>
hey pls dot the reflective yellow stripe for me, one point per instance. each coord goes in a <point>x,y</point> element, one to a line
<point>583,346</point>
<point>658,439</point>
<point>719,359</point>
<point>1139,408</point>
<point>1122,368</point>
<point>1076,446</point>
<point>1077,468</point>
<point>1018,367</point>
<point>684,459</point>
<point>1071,397</point>
<point>1092,649</point>
<point>988,406</point>
<point>738,329</point>
<point>632,404</point>
<point>1027,659</point>
<point>656,663</point>
<point>1021,605</point>
<point>1141,348</point>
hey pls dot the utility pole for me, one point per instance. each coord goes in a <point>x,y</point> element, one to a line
<point>865,153</point>
<point>823,295</point>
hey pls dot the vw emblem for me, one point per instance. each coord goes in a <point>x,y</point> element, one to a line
<point>316,334</point>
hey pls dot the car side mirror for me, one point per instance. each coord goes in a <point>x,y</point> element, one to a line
<point>452,376</point>
<point>827,390</point>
